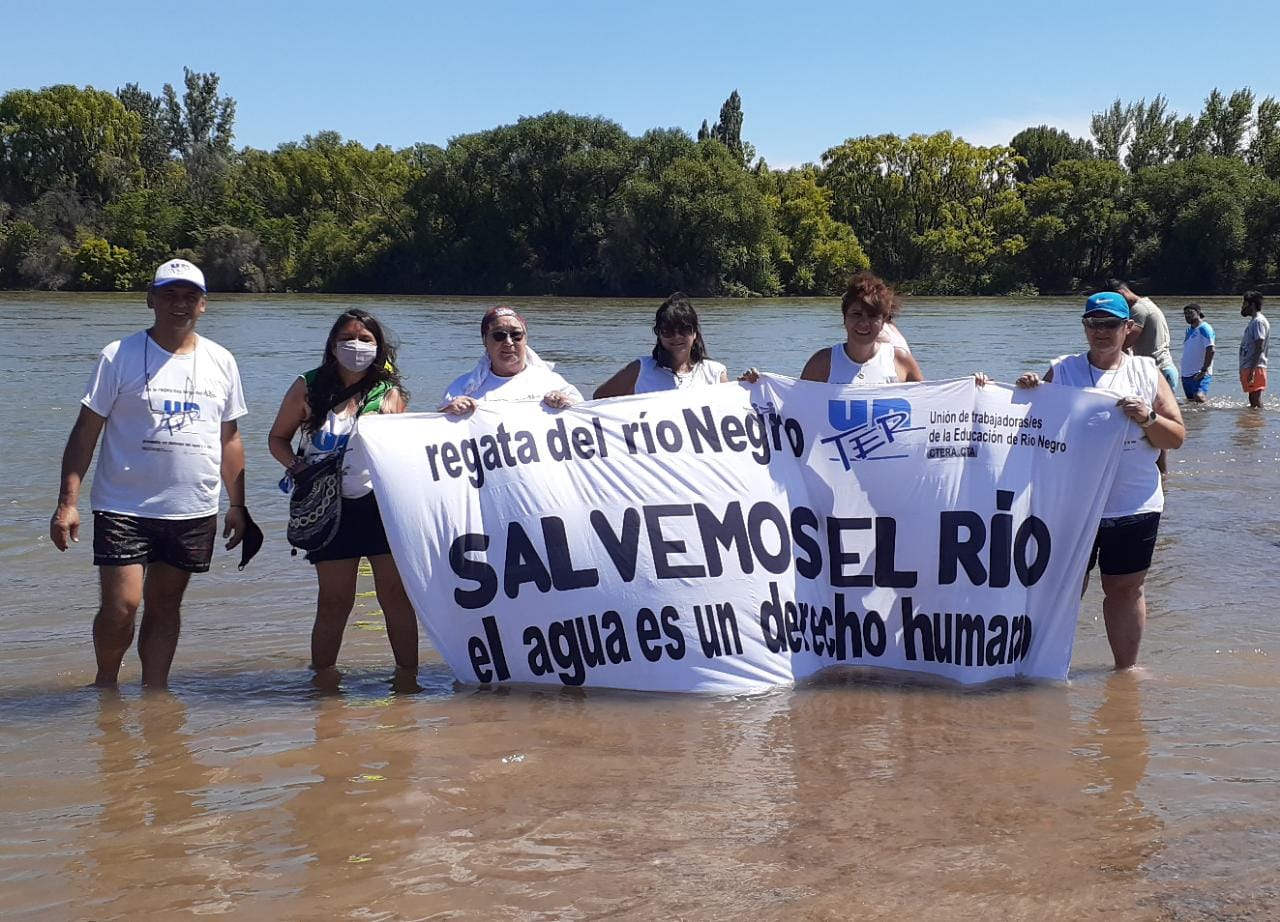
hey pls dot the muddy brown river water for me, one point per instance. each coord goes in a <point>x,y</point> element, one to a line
<point>246,793</point>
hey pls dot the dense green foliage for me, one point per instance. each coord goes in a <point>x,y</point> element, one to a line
<point>96,188</point>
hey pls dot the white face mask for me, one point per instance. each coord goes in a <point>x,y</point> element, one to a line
<point>355,355</point>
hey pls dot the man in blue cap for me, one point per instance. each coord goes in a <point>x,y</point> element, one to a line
<point>165,402</point>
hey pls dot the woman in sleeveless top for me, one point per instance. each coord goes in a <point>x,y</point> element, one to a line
<point>357,376</point>
<point>863,358</point>
<point>1131,515</point>
<point>679,358</point>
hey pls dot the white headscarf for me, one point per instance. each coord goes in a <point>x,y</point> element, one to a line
<point>484,366</point>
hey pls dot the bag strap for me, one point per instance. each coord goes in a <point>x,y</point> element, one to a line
<point>373,398</point>
<point>372,401</point>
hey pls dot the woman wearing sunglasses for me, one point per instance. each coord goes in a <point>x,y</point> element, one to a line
<point>679,358</point>
<point>509,370</point>
<point>1131,516</point>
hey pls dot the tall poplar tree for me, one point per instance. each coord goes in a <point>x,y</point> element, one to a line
<point>1111,130</point>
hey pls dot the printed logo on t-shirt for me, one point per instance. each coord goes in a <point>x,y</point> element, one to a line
<point>178,414</point>
<point>327,441</point>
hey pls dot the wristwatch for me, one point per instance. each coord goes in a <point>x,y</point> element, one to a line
<point>1151,418</point>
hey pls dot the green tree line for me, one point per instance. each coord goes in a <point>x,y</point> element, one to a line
<point>97,187</point>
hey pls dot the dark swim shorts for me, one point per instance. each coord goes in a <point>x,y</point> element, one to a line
<point>1125,545</point>
<point>120,540</point>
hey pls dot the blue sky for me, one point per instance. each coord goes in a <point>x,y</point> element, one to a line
<point>810,73</point>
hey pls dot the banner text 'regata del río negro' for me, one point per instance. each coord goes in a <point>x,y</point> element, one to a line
<point>734,538</point>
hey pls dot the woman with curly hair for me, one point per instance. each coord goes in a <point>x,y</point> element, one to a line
<point>863,358</point>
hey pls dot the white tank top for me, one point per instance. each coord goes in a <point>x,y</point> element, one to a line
<point>1136,488</point>
<point>880,370</point>
<point>654,377</point>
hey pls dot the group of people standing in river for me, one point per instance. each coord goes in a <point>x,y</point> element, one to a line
<point>1151,338</point>
<point>165,402</point>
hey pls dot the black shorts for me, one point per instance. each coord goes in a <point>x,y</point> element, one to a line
<point>120,540</point>
<point>360,532</point>
<point>1125,545</point>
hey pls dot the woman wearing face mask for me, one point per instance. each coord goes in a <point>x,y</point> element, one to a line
<point>509,370</point>
<point>679,358</point>
<point>357,376</point>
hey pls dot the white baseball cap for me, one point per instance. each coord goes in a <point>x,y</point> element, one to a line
<point>178,270</point>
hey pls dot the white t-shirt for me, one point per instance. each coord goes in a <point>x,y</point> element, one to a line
<point>1136,488</point>
<point>1194,345</point>
<point>1153,341</point>
<point>1259,328</point>
<point>534,383</point>
<point>654,377</point>
<point>161,454</point>
<point>881,369</point>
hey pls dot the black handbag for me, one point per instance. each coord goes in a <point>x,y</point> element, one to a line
<point>315,506</point>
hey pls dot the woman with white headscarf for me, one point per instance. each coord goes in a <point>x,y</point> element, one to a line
<point>509,370</point>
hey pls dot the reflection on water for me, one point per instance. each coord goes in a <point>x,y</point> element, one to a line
<point>248,793</point>
<point>828,799</point>
<point>155,822</point>
<point>1250,429</point>
<point>1113,752</point>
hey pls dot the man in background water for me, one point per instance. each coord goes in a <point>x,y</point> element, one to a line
<point>1197,355</point>
<point>165,402</point>
<point>1151,336</point>
<point>1253,348</point>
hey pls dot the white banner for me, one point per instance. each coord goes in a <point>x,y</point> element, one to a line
<point>735,538</point>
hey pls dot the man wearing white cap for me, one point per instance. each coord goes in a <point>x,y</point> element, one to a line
<point>165,402</point>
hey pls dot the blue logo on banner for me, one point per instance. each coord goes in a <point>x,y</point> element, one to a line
<point>868,430</point>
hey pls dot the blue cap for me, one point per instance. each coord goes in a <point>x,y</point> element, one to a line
<point>1107,302</point>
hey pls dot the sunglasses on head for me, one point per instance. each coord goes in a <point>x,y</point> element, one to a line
<point>1103,323</point>
<point>501,336</point>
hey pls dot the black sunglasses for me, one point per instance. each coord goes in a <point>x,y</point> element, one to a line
<point>501,336</point>
<point>1103,323</point>
<point>683,329</point>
